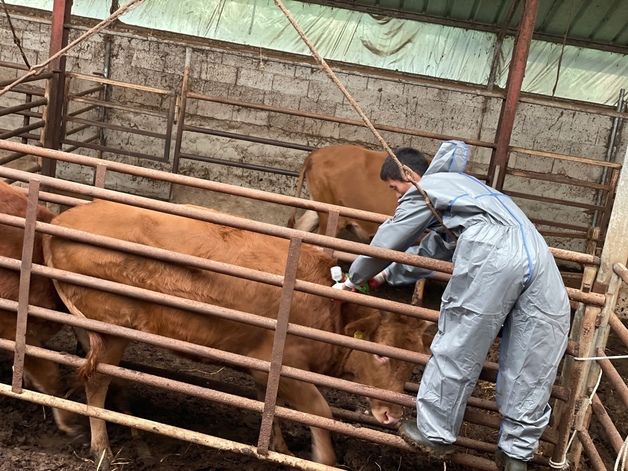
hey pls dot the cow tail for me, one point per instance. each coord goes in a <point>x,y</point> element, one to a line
<point>304,169</point>
<point>95,340</point>
<point>96,346</point>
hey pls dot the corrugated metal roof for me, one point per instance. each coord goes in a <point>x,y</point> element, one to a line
<point>602,24</point>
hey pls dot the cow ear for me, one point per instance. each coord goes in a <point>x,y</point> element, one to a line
<point>364,328</point>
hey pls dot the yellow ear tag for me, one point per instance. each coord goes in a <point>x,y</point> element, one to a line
<point>358,334</point>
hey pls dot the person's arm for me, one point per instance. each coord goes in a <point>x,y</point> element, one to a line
<point>433,245</point>
<point>411,218</point>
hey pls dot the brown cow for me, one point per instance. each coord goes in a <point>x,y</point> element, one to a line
<point>238,247</point>
<point>345,175</point>
<point>43,374</point>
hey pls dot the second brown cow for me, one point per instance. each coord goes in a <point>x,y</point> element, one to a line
<point>43,374</point>
<point>238,247</point>
<point>345,175</point>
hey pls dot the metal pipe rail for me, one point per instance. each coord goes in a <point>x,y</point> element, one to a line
<point>255,194</point>
<point>613,376</point>
<point>163,429</point>
<point>24,106</point>
<point>23,131</point>
<point>607,423</point>
<point>334,119</point>
<point>244,362</point>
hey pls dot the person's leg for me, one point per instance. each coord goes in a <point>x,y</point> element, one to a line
<point>458,354</point>
<point>485,284</point>
<point>532,345</point>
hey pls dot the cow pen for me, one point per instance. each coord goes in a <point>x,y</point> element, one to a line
<point>165,128</point>
<point>592,303</point>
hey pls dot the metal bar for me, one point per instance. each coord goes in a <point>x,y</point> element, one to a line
<point>609,201</point>
<point>23,130</point>
<point>113,150</point>
<point>334,119</point>
<point>574,227</point>
<point>29,114</point>
<point>100,176</point>
<point>81,110</point>
<point>81,144</point>
<point>288,414</point>
<point>24,106</point>
<point>33,78</point>
<point>26,121</point>
<point>11,157</point>
<point>613,377</point>
<point>332,228</point>
<point>577,372</point>
<point>163,429</point>
<point>546,199</point>
<point>117,83</point>
<point>619,328</point>
<point>279,342</point>
<point>28,244</point>
<point>246,192</point>
<point>108,104</point>
<point>567,235</point>
<point>607,424</point>
<point>220,312</point>
<point>169,125</point>
<point>556,179</point>
<point>589,448</point>
<point>245,137</point>
<point>181,115</point>
<point>569,158</point>
<point>55,87</point>
<point>244,402</point>
<point>231,163</point>
<point>622,271</point>
<point>77,129</point>
<point>499,158</point>
<point>87,91</point>
<point>115,127</point>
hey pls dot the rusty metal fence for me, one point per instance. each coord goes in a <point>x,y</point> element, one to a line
<point>481,411</point>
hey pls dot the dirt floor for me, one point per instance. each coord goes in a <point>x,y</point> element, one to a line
<point>29,440</point>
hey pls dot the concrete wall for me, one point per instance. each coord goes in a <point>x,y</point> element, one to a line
<point>262,77</point>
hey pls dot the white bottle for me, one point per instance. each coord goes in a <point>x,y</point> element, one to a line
<point>336,274</point>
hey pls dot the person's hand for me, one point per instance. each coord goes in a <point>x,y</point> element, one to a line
<point>378,280</point>
<point>341,286</point>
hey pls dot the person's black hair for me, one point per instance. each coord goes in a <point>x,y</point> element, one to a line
<point>407,156</point>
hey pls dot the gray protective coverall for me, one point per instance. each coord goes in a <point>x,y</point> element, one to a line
<point>504,274</point>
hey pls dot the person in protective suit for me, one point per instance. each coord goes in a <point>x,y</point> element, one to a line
<point>504,277</point>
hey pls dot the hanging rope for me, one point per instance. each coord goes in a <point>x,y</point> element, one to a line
<point>406,171</point>
<point>16,40</point>
<point>103,24</point>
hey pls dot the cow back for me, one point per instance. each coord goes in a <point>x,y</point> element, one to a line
<point>348,175</point>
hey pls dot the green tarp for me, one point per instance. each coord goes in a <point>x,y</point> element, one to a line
<point>394,44</point>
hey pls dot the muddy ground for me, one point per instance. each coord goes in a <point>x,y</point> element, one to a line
<point>29,440</point>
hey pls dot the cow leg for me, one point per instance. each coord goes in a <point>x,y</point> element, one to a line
<point>96,387</point>
<point>307,222</point>
<point>277,442</point>
<point>307,398</point>
<point>44,375</point>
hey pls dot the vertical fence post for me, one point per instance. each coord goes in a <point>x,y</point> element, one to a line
<point>24,287</point>
<point>279,342</point>
<point>51,137</point>
<point>100,176</point>
<point>499,159</point>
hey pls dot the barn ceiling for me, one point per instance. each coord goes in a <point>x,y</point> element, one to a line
<point>602,24</point>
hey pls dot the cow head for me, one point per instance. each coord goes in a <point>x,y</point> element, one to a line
<point>381,371</point>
